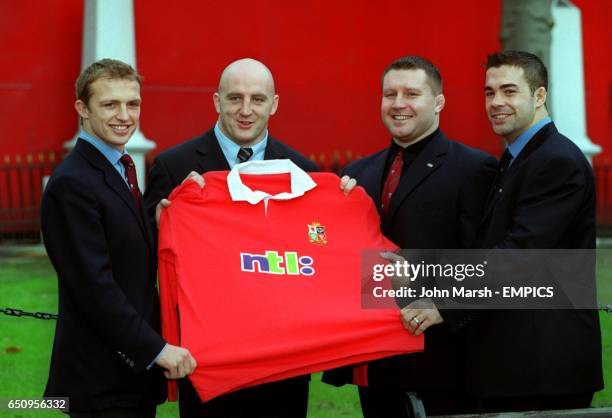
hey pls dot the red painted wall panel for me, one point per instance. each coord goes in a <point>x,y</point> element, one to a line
<point>40,59</point>
<point>327,59</point>
<point>326,56</point>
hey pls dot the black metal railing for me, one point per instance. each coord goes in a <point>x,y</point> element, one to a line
<point>21,185</point>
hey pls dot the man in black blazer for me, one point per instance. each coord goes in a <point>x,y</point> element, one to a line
<point>106,340</point>
<point>437,204</point>
<point>544,199</point>
<point>244,101</point>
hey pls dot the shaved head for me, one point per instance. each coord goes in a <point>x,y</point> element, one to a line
<point>249,69</point>
<point>245,101</point>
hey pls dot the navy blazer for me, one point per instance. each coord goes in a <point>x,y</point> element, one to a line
<point>546,200</point>
<point>438,204</point>
<point>102,251</point>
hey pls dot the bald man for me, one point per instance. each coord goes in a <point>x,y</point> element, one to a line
<point>245,100</point>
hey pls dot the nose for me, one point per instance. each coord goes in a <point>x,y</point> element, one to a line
<point>122,113</point>
<point>398,102</point>
<point>497,99</point>
<point>245,109</point>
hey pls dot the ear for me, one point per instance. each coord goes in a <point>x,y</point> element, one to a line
<point>217,102</point>
<point>274,104</point>
<point>440,101</point>
<point>540,96</point>
<point>81,109</point>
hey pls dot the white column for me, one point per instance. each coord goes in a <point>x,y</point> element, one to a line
<point>108,32</point>
<point>566,76</point>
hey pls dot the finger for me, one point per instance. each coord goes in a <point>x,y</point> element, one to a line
<point>416,322</point>
<point>165,203</point>
<point>406,322</point>
<point>411,327</point>
<point>192,364</point>
<point>189,176</point>
<point>420,328</point>
<point>193,176</point>
<point>409,323</point>
<point>407,315</point>
<point>352,183</point>
<point>170,374</point>
<point>157,213</point>
<point>343,181</point>
<point>181,370</point>
<point>391,256</point>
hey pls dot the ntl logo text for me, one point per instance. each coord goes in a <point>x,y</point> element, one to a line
<point>271,262</point>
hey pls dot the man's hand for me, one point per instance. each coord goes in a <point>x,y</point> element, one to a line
<point>416,318</point>
<point>164,203</point>
<point>347,184</point>
<point>394,258</point>
<point>193,176</point>
<point>177,361</point>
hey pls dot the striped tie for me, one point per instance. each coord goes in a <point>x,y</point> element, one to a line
<point>244,154</point>
<point>130,176</point>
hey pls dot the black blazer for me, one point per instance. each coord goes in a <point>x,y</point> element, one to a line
<point>547,201</point>
<point>169,169</point>
<point>437,205</point>
<point>203,154</point>
<point>102,251</point>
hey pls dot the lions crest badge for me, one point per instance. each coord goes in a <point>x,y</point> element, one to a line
<point>317,233</point>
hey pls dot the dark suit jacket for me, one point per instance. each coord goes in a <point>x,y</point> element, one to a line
<point>102,252</point>
<point>169,169</point>
<point>437,205</point>
<point>203,154</point>
<point>547,202</point>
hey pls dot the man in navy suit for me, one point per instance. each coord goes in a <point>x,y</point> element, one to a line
<point>544,198</point>
<point>108,356</point>
<point>440,189</point>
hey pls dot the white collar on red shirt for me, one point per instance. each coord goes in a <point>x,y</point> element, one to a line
<point>300,181</point>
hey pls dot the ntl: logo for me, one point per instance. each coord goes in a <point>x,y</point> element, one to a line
<point>273,263</point>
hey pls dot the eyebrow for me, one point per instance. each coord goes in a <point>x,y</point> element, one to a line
<point>503,86</point>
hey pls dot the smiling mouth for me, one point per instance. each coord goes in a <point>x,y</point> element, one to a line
<point>245,124</point>
<point>501,116</point>
<point>401,117</point>
<point>120,128</point>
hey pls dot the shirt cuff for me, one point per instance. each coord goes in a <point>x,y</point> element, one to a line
<point>156,357</point>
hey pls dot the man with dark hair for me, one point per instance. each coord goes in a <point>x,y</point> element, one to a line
<point>536,74</point>
<point>543,198</point>
<point>430,193</point>
<point>106,341</point>
<point>245,100</point>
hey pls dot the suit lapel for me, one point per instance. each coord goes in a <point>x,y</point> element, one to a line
<point>427,162</point>
<point>113,180</point>
<point>535,142</point>
<point>210,155</point>
<point>274,151</point>
<point>373,181</point>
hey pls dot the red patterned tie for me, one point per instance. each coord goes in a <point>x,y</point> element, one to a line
<point>393,178</point>
<point>130,176</point>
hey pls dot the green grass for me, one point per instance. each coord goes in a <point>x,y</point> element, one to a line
<point>25,345</point>
<point>29,283</point>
